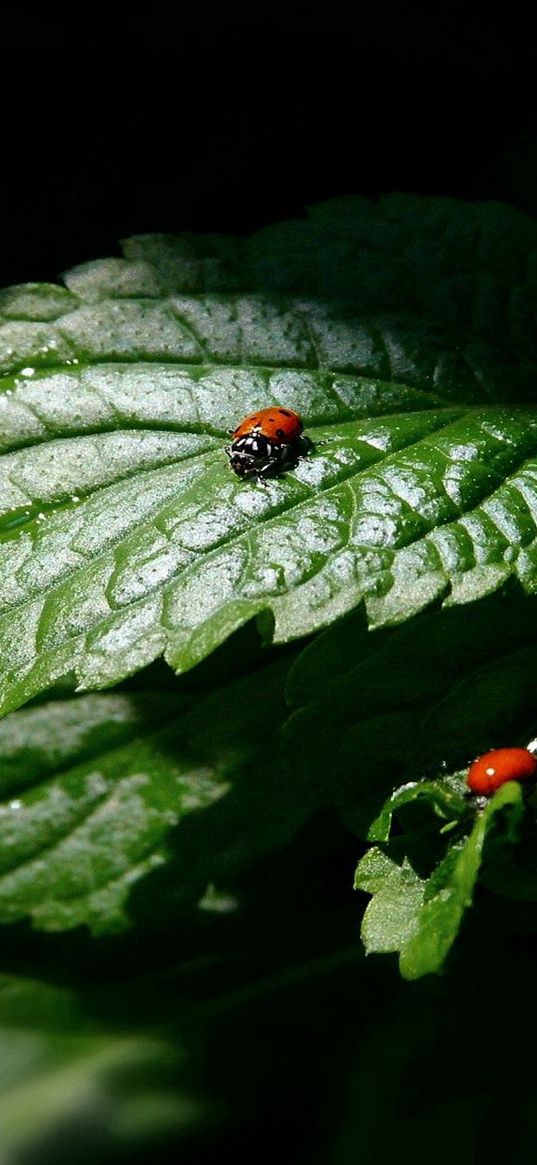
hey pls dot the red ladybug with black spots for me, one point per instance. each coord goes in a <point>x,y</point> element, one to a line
<point>267,443</point>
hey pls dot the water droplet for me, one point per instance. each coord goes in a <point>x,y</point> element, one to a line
<point>27,371</point>
<point>75,498</point>
<point>41,516</point>
<point>15,804</point>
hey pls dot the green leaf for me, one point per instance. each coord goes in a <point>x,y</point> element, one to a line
<point>390,918</point>
<point>450,889</point>
<point>445,797</point>
<point>469,265</point>
<point>75,840</point>
<point>60,1070</point>
<point>421,917</point>
<point>99,791</point>
<point>124,534</point>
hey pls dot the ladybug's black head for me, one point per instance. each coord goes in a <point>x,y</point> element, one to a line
<point>251,455</point>
<point>243,464</point>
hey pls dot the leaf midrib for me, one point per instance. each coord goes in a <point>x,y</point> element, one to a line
<point>347,475</point>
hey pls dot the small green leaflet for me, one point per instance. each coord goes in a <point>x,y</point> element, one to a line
<point>390,919</point>
<point>123,533</point>
<point>446,799</point>
<point>420,917</point>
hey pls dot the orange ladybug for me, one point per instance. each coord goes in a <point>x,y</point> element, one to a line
<point>267,442</point>
<point>495,768</point>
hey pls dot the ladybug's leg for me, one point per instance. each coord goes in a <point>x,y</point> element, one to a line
<point>289,455</point>
<point>260,479</point>
<point>268,470</point>
<point>306,445</point>
<point>271,468</point>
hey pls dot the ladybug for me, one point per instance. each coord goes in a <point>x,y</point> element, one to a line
<point>494,768</point>
<point>267,442</point>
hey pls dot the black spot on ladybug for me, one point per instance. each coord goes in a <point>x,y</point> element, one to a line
<point>285,413</point>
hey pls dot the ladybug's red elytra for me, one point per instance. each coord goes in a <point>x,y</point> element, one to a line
<point>267,442</point>
<point>492,770</point>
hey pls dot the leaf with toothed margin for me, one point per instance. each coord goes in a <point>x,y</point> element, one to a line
<point>419,917</point>
<point>99,791</point>
<point>124,534</point>
<point>470,266</point>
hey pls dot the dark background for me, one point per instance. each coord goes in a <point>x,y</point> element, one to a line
<point>227,122</point>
